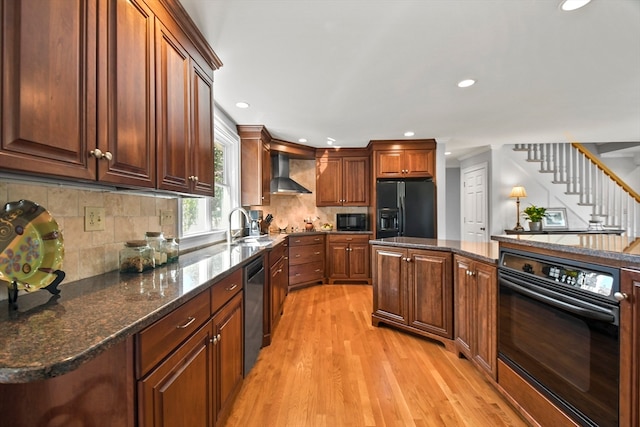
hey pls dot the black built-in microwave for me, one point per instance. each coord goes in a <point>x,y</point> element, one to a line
<point>352,222</point>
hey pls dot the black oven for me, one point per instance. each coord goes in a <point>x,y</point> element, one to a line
<point>352,222</point>
<point>559,330</point>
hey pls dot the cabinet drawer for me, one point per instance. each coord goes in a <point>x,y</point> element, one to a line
<point>277,253</point>
<point>306,240</point>
<point>349,238</point>
<point>306,272</point>
<point>155,342</point>
<point>225,289</point>
<point>304,254</point>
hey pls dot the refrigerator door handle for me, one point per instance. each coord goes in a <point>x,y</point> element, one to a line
<point>401,216</point>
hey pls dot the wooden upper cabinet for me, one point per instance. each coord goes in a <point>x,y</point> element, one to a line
<point>404,159</point>
<point>48,114</point>
<point>126,125</point>
<point>81,81</point>
<point>184,97</point>
<point>255,186</point>
<point>342,180</point>
<point>405,164</point>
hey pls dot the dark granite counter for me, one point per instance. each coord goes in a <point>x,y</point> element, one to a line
<point>482,251</point>
<point>51,335</point>
<point>622,249</point>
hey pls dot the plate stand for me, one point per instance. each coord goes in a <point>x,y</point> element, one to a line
<point>51,287</point>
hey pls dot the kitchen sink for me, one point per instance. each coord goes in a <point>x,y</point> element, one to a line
<point>253,241</point>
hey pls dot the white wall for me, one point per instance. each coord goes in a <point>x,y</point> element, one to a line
<point>452,206</point>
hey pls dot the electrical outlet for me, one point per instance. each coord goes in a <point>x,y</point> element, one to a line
<point>166,217</point>
<point>93,219</point>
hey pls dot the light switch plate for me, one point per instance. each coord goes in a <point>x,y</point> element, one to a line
<point>166,217</point>
<point>93,219</point>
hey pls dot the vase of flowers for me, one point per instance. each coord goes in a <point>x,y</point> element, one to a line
<point>534,215</point>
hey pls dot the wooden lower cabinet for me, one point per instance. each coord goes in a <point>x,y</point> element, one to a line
<point>195,383</point>
<point>630,348</point>
<point>412,290</point>
<point>278,285</point>
<point>306,260</point>
<point>180,390</point>
<point>348,257</point>
<point>475,290</point>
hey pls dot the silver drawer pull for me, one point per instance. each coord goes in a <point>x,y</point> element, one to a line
<point>297,274</point>
<point>232,287</point>
<point>316,253</point>
<point>349,238</point>
<point>297,241</point>
<point>317,270</point>
<point>317,239</point>
<point>297,255</point>
<point>190,320</point>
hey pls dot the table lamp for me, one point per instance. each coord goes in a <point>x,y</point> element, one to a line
<point>517,192</point>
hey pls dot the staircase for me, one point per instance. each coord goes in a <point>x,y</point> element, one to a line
<point>612,201</point>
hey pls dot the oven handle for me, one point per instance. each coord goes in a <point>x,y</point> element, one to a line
<point>581,311</point>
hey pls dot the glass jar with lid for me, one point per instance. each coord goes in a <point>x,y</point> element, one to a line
<point>171,249</point>
<point>136,257</point>
<point>155,239</point>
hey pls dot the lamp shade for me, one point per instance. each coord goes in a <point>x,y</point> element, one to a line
<point>518,191</point>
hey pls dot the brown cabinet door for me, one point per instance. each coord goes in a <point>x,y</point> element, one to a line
<point>329,182</point>
<point>359,260</point>
<point>265,175</point>
<point>339,260</point>
<point>630,348</point>
<point>179,391</point>
<point>48,113</point>
<point>173,111</point>
<point>418,163</point>
<point>355,181</point>
<point>389,164</point>
<point>201,174</point>
<point>126,84</point>
<point>485,353</point>
<point>390,297</point>
<point>431,293</point>
<point>228,357</point>
<point>464,313</point>
<point>255,176</point>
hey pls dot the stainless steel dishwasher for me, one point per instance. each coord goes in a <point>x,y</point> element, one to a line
<point>253,312</point>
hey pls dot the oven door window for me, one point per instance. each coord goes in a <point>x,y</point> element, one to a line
<point>571,358</point>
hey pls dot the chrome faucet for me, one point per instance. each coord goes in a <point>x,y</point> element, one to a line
<point>246,215</point>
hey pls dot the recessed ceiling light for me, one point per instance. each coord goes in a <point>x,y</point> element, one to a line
<point>447,153</point>
<point>330,141</point>
<point>569,5</point>
<point>242,104</point>
<point>466,83</point>
<point>409,133</point>
<point>302,140</point>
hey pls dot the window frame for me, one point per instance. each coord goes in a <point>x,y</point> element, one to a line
<point>225,134</point>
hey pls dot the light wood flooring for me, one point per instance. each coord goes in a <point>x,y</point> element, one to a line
<point>328,366</point>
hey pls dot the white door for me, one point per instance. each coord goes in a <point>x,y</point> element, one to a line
<point>474,204</point>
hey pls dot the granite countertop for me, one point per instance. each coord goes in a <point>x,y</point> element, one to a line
<point>606,246</point>
<point>483,251</point>
<point>51,335</point>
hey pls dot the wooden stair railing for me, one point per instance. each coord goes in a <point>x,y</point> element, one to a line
<point>584,174</point>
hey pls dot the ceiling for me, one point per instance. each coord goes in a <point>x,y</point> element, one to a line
<point>356,70</point>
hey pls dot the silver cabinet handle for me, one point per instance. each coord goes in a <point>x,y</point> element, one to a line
<point>232,287</point>
<point>316,253</point>
<point>190,320</point>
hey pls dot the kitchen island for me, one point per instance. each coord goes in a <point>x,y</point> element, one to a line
<point>448,291</point>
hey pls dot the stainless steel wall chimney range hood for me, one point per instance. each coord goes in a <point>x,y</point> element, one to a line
<point>280,181</point>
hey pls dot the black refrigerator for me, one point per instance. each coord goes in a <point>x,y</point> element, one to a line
<point>405,208</point>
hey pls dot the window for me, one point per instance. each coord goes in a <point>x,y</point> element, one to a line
<point>204,219</point>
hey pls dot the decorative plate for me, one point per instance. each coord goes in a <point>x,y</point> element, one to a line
<point>31,244</point>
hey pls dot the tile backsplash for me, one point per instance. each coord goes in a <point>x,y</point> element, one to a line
<point>290,209</point>
<point>88,253</point>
